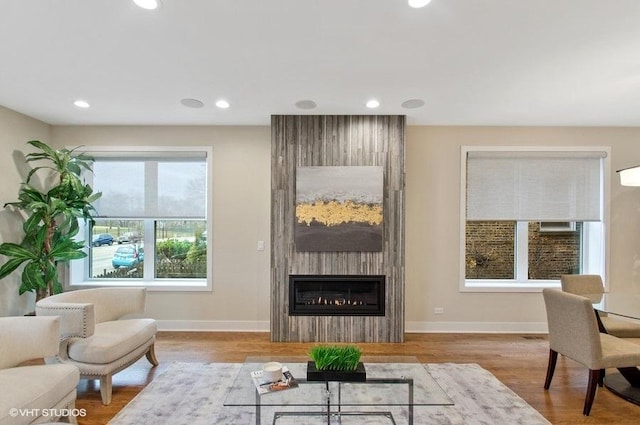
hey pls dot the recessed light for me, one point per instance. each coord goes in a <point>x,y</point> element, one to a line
<point>373,103</point>
<point>148,4</point>
<point>81,103</point>
<point>418,3</point>
<point>306,104</point>
<point>192,103</point>
<point>222,104</point>
<point>412,103</point>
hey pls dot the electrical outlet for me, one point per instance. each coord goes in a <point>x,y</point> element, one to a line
<point>438,310</point>
<point>260,245</point>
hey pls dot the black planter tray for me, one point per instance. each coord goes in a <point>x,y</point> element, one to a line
<point>358,375</point>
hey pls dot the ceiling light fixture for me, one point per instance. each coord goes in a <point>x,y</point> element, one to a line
<point>222,104</point>
<point>412,103</point>
<point>630,176</point>
<point>192,103</point>
<point>371,104</point>
<point>81,103</point>
<point>418,3</point>
<point>306,104</point>
<point>147,4</point>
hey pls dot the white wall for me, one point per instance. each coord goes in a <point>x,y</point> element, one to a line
<point>15,131</point>
<point>241,218</point>
<point>241,213</point>
<point>433,230</point>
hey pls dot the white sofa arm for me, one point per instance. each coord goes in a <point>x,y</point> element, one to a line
<point>108,304</point>
<point>27,338</point>
<point>76,319</point>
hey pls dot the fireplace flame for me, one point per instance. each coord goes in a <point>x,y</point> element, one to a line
<point>336,302</point>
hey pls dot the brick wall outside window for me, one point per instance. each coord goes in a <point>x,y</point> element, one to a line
<point>490,251</point>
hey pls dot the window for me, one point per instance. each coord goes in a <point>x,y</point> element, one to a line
<point>531,215</point>
<point>152,220</point>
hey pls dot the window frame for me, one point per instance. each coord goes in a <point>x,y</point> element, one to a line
<point>595,257</point>
<point>79,270</point>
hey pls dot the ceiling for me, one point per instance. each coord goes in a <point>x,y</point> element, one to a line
<point>473,62</point>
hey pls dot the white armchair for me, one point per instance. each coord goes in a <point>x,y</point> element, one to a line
<point>30,390</point>
<point>102,331</point>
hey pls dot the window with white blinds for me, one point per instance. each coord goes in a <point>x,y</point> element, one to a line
<point>152,224</point>
<point>170,185</point>
<point>535,186</point>
<point>510,194</point>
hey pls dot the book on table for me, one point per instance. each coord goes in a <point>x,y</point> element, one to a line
<point>286,382</point>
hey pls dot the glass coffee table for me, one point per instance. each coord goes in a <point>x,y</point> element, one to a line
<point>393,384</point>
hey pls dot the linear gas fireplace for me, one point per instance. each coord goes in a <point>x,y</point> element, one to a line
<point>336,295</point>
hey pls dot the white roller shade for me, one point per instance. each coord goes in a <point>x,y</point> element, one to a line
<point>534,186</point>
<point>159,185</point>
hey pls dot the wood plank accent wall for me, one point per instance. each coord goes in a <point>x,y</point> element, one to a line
<point>337,140</point>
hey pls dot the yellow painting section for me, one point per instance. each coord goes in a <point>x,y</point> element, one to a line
<point>333,213</point>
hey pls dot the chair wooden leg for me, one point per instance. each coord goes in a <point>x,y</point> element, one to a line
<point>594,378</point>
<point>601,380</point>
<point>551,367</point>
<point>151,355</point>
<point>105,389</point>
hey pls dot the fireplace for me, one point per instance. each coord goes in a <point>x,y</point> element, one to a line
<point>336,295</point>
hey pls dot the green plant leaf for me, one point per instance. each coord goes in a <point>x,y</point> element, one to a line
<point>94,197</point>
<point>32,278</point>
<point>17,251</point>
<point>46,149</point>
<point>32,224</point>
<point>10,266</point>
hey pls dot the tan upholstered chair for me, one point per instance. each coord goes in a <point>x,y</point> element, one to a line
<point>34,387</point>
<point>573,332</point>
<point>582,284</point>
<point>101,331</point>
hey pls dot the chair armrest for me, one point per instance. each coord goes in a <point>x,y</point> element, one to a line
<point>76,319</point>
<point>27,338</point>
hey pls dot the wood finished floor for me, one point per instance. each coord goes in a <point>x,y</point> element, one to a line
<point>519,361</point>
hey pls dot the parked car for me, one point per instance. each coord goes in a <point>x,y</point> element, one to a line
<point>102,239</point>
<point>128,256</point>
<point>129,237</point>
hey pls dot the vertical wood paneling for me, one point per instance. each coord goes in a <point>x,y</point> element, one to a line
<point>337,140</point>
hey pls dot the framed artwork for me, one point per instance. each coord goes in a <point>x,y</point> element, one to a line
<point>339,208</point>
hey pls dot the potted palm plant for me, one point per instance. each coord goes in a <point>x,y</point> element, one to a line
<point>51,219</point>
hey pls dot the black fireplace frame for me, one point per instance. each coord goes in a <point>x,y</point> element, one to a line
<point>332,282</point>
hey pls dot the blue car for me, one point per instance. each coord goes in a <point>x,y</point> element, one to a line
<point>102,239</point>
<point>127,256</point>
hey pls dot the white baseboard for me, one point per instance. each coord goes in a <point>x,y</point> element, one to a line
<point>213,326</point>
<point>410,327</point>
<point>477,327</point>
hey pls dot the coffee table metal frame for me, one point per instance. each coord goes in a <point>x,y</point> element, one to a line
<point>339,412</point>
<point>331,399</point>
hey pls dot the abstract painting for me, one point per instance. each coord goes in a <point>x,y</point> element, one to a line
<point>339,208</point>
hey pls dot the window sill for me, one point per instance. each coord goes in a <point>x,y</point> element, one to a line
<point>507,285</point>
<point>192,285</point>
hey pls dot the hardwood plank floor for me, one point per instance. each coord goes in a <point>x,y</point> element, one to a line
<point>519,361</point>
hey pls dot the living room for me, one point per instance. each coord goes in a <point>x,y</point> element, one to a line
<point>240,188</point>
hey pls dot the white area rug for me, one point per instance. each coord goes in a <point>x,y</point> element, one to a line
<point>193,394</point>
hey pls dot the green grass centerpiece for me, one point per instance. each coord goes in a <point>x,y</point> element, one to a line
<point>336,363</point>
